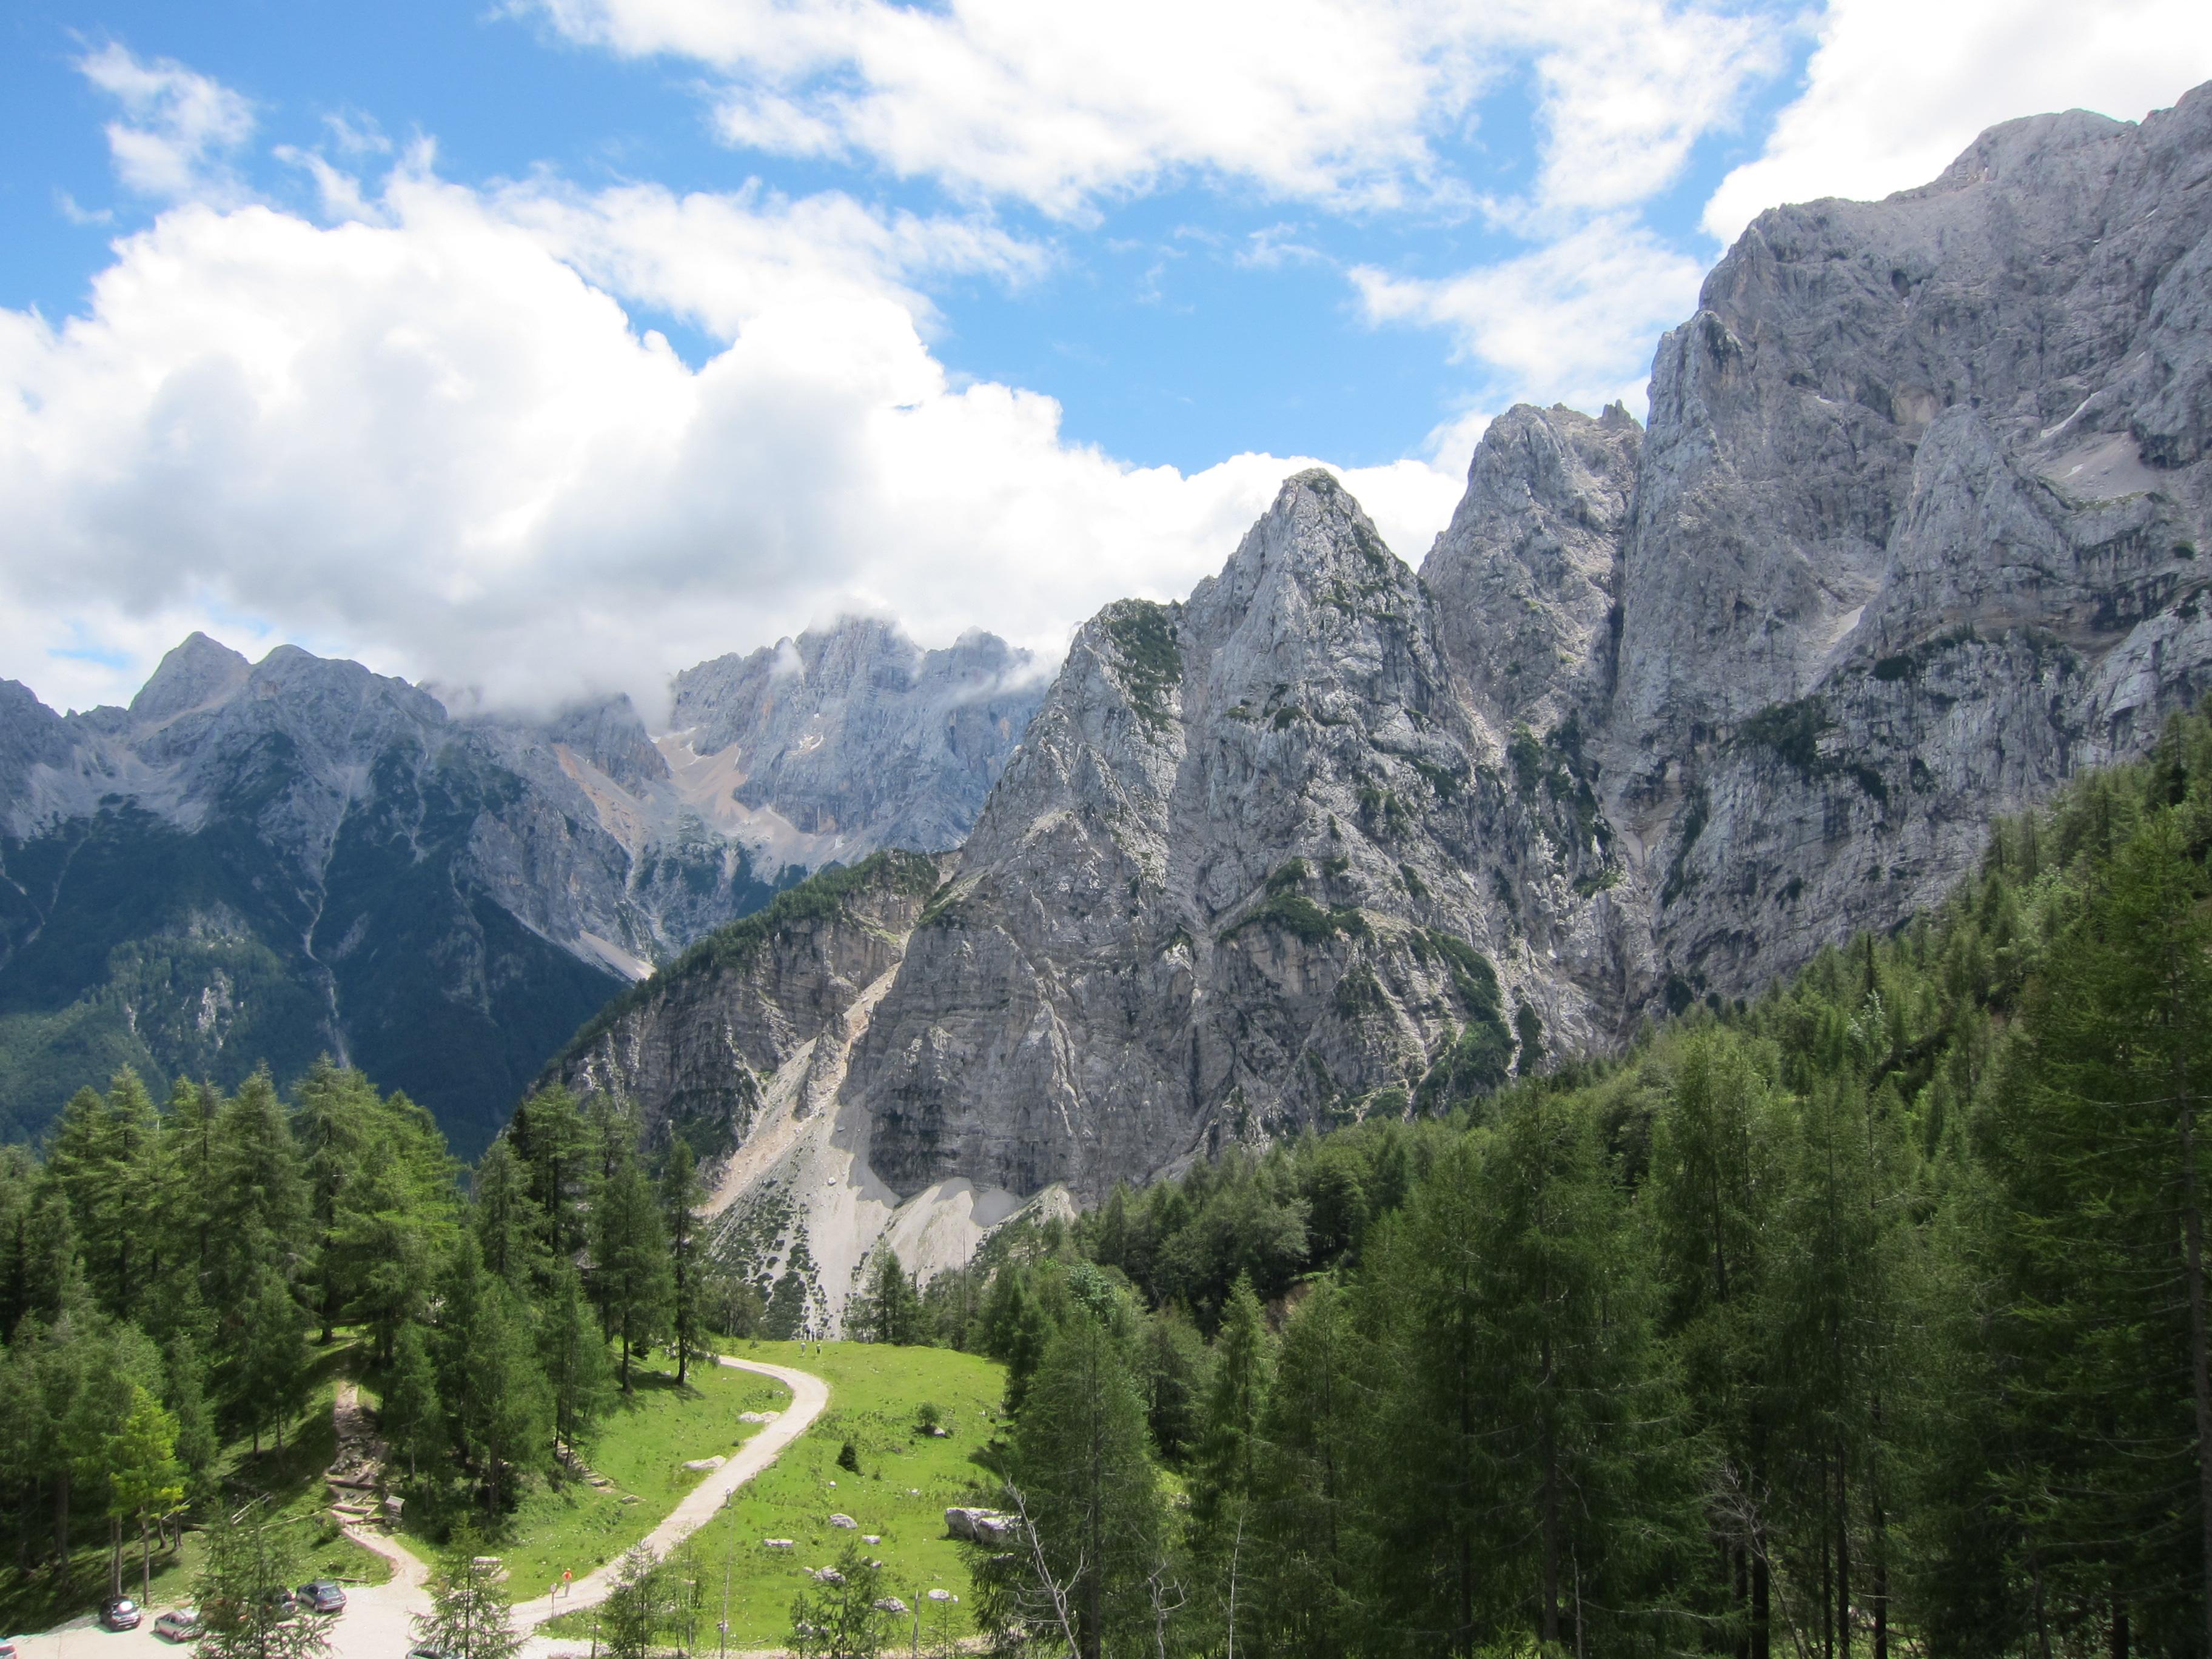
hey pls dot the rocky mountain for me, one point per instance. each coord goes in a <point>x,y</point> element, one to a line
<point>855,739</point>
<point>1913,535</point>
<point>271,861</point>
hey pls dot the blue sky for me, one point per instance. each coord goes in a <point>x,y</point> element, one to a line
<point>547,347</point>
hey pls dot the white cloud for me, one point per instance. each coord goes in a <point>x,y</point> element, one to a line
<point>180,128</point>
<point>1896,89</point>
<point>1573,320</point>
<point>425,437</point>
<point>1335,101</point>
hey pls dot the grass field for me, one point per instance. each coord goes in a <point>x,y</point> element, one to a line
<point>641,1447</point>
<point>292,1481</point>
<point>905,1483</point>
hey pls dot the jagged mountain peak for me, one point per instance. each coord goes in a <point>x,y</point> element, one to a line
<point>195,674</point>
<point>1525,574</point>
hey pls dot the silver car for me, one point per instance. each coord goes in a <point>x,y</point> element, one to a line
<point>178,1624</point>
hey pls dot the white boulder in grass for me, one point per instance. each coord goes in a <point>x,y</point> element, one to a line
<point>845,1520</point>
<point>705,1465</point>
<point>775,1543</point>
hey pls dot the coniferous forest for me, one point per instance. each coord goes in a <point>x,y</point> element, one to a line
<point>1867,1316</point>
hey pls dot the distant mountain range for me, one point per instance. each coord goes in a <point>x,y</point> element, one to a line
<point>274,861</point>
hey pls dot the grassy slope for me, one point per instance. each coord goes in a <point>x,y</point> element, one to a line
<point>642,1447</point>
<point>873,1392</point>
<point>37,1600</point>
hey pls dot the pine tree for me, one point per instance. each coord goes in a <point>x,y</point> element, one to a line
<point>269,1368</point>
<point>1715,1175</point>
<point>891,1310</point>
<point>412,1418</point>
<point>334,1124</point>
<point>1309,1511</point>
<point>2094,1146</point>
<point>635,1611</point>
<point>249,1560</point>
<point>575,1357</point>
<point>681,1195</point>
<point>1537,1488</point>
<point>510,1227</point>
<point>1082,1475</point>
<point>630,1278</point>
<point>146,1482</point>
<point>258,1213</point>
<point>472,1615</point>
<point>198,1444</point>
<point>497,1404</point>
<point>1242,1370</point>
<point>845,1616</point>
<point>554,1143</point>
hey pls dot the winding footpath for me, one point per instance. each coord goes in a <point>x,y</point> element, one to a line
<point>379,1619</point>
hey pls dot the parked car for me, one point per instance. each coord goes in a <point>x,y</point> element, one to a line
<point>7,1651</point>
<point>283,1603</point>
<point>178,1624</point>
<point>119,1612</point>
<point>322,1595</point>
<point>429,1653</point>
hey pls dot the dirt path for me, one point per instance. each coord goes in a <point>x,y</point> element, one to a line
<point>808,1395</point>
<point>377,1622</point>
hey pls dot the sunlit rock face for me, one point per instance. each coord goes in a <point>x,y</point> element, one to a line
<point>1913,535</point>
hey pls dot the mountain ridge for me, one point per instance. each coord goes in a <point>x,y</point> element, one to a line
<point>1910,538</point>
<point>271,860</point>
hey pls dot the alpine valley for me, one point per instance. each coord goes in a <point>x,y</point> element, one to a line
<point>268,862</point>
<point>1911,538</point>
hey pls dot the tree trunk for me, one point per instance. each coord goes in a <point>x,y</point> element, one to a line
<point>61,1524</point>
<point>1843,1560</point>
<point>2200,1377</point>
<point>1762,1603</point>
<point>115,1555</point>
<point>145,1561</point>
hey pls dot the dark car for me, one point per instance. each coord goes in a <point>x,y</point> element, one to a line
<point>119,1612</point>
<point>7,1651</point>
<point>429,1653</point>
<point>283,1603</point>
<point>322,1595</point>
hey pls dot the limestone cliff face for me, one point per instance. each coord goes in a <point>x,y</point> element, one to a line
<point>1916,534</point>
<point>1524,575</point>
<point>1236,881</point>
<point>696,1044</point>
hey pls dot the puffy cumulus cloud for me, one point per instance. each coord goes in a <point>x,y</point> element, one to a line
<point>1895,90</point>
<point>1624,99</point>
<point>178,128</point>
<point>425,437</point>
<point>1336,101</point>
<point>1572,321</point>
